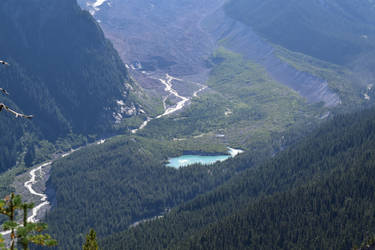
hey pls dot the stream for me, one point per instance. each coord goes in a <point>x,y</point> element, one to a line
<point>29,185</point>
<point>167,82</point>
<point>38,173</point>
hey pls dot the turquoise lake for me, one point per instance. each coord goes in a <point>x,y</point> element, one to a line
<point>185,160</point>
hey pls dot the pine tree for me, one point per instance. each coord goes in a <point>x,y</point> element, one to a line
<point>91,243</point>
<point>26,232</point>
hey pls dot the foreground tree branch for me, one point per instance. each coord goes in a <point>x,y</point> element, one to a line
<point>3,106</point>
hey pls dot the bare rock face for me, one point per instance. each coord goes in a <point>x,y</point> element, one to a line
<point>177,37</point>
<point>243,40</point>
<point>160,35</point>
<point>337,31</point>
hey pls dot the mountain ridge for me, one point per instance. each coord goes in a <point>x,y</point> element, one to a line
<point>335,31</point>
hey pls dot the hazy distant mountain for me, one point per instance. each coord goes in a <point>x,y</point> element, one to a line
<point>162,35</point>
<point>179,37</point>
<point>338,31</point>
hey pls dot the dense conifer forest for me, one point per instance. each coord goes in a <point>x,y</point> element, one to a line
<point>319,194</point>
<point>68,80</point>
<point>304,180</point>
<point>129,177</point>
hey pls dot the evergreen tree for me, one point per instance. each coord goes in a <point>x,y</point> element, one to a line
<point>91,243</point>
<point>27,232</point>
<point>369,244</point>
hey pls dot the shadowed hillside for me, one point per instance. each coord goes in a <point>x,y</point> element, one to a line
<point>337,31</point>
<point>73,74</point>
<point>62,70</point>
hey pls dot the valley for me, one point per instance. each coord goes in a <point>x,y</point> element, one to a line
<point>171,94</point>
<point>322,182</point>
<point>153,46</point>
<point>207,116</point>
<point>205,82</point>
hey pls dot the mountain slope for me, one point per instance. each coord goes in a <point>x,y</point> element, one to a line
<point>118,183</point>
<point>75,74</point>
<point>338,210</point>
<point>337,31</point>
<point>62,70</point>
<point>282,203</point>
<point>125,180</point>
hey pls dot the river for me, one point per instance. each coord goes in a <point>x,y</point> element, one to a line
<point>37,174</point>
<point>29,186</point>
<point>39,171</point>
<point>167,82</point>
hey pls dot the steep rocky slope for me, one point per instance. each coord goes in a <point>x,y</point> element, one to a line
<point>338,31</point>
<point>179,37</point>
<point>74,74</point>
<point>160,35</point>
<point>62,70</point>
<point>240,38</point>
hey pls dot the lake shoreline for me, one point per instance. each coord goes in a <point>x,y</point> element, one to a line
<point>189,158</point>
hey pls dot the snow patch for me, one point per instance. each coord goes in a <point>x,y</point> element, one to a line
<point>95,6</point>
<point>100,142</point>
<point>366,95</point>
<point>228,112</point>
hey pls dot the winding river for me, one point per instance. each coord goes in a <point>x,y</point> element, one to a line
<point>38,173</point>
<point>167,82</point>
<point>34,173</point>
<point>29,186</point>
